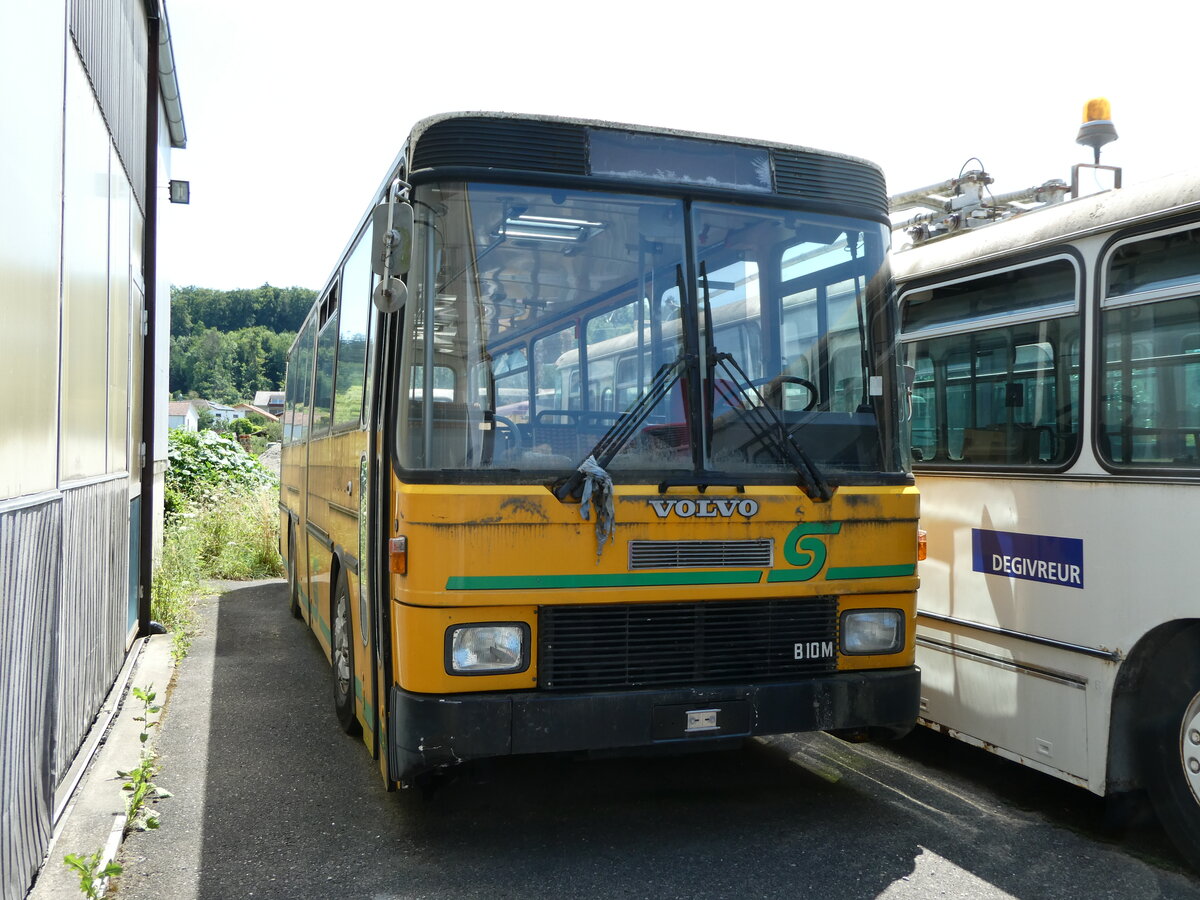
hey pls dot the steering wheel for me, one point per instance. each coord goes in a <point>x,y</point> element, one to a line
<point>792,379</point>
<point>514,439</point>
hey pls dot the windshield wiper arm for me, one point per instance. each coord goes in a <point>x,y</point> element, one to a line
<point>764,423</point>
<point>768,428</point>
<point>627,425</point>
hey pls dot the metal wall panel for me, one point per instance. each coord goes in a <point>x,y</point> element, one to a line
<point>84,422</point>
<point>32,48</point>
<point>120,335</point>
<point>111,37</point>
<point>30,575</point>
<point>92,614</point>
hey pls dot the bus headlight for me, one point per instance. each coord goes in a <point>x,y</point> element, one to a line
<point>872,631</point>
<point>488,649</point>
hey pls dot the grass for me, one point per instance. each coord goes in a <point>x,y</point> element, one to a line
<point>231,535</point>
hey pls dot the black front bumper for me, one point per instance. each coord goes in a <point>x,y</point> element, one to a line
<point>432,731</point>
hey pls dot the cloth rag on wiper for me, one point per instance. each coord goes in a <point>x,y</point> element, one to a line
<point>597,492</point>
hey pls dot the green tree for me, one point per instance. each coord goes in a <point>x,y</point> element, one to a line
<point>277,309</point>
<point>226,345</point>
<point>210,360</point>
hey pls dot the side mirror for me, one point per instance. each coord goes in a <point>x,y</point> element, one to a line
<point>391,252</point>
<point>390,295</point>
<point>391,238</point>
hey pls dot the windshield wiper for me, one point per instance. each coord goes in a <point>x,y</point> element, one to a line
<point>764,423</point>
<point>627,425</point>
<point>767,428</point>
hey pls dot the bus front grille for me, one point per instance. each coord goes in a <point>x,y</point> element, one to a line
<point>757,554</point>
<point>639,645</point>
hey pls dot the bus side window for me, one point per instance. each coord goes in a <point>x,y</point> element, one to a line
<point>354,323</point>
<point>1004,396</point>
<point>1151,410</point>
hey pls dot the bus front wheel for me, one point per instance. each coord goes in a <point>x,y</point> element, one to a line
<point>1169,740</point>
<point>343,658</point>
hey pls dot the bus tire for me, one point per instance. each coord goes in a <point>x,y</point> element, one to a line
<point>293,581</point>
<point>1169,741</point>
<point>342,653</point>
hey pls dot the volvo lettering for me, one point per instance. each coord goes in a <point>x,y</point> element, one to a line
<point>705,508</point>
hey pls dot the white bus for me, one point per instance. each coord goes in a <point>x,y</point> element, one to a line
<point>1056,435</point>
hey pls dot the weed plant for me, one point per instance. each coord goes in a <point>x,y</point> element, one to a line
<point>222,523</point>
<point>238,534</point>
<point>92,876</point>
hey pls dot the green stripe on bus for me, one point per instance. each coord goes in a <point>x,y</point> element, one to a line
<point>663,579</point>
<point>367,708</point>
<point>870,572</point>
<point>777,575</point>
<point>635,579</point>
<point>841,574</point>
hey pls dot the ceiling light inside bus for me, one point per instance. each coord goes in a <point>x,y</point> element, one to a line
<point>543,228</point>
<point>486,649</point>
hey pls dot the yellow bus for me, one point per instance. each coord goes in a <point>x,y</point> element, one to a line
<point>715,539</point>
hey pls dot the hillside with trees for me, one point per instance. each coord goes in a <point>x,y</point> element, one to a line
<point>226,345</point>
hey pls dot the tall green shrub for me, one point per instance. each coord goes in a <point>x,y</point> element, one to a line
<point>202,463</point>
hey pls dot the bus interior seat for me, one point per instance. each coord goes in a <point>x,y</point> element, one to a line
<point>451,435</point>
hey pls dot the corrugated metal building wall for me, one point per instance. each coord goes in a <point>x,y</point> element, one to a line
<point>30,538</point>
<point>73,274</point>
<point>92,620</point>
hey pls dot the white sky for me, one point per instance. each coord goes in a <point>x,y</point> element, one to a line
<point>294,110</point>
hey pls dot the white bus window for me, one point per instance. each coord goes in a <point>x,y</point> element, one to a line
<point>1049,285</point>
<point>1155,263</point>
<point>1150,411</point>
<point>1006,396</point>
<point>924,422</point>
<point>994,393</point>
<point>632,378</point>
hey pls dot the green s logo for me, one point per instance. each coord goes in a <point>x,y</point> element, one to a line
<point>807,552</point>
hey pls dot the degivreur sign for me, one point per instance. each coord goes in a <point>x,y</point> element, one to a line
<point>1033,557</point>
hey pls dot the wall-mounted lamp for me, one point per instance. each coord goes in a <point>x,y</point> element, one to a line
<point>181,191</point>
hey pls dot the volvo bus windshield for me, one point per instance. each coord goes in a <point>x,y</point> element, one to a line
<point>544,319</point>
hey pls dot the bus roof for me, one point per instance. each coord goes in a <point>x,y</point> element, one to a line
<point>419,129</point>
<point>874,184</point>
<point>1048,225</point>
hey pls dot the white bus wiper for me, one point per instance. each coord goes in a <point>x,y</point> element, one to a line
<point>764,423</point>
<point>623,430</point>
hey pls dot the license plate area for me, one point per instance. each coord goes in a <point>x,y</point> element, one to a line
<point>728,718</point>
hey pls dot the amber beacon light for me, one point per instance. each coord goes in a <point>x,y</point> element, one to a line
<point>1097,128</point>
